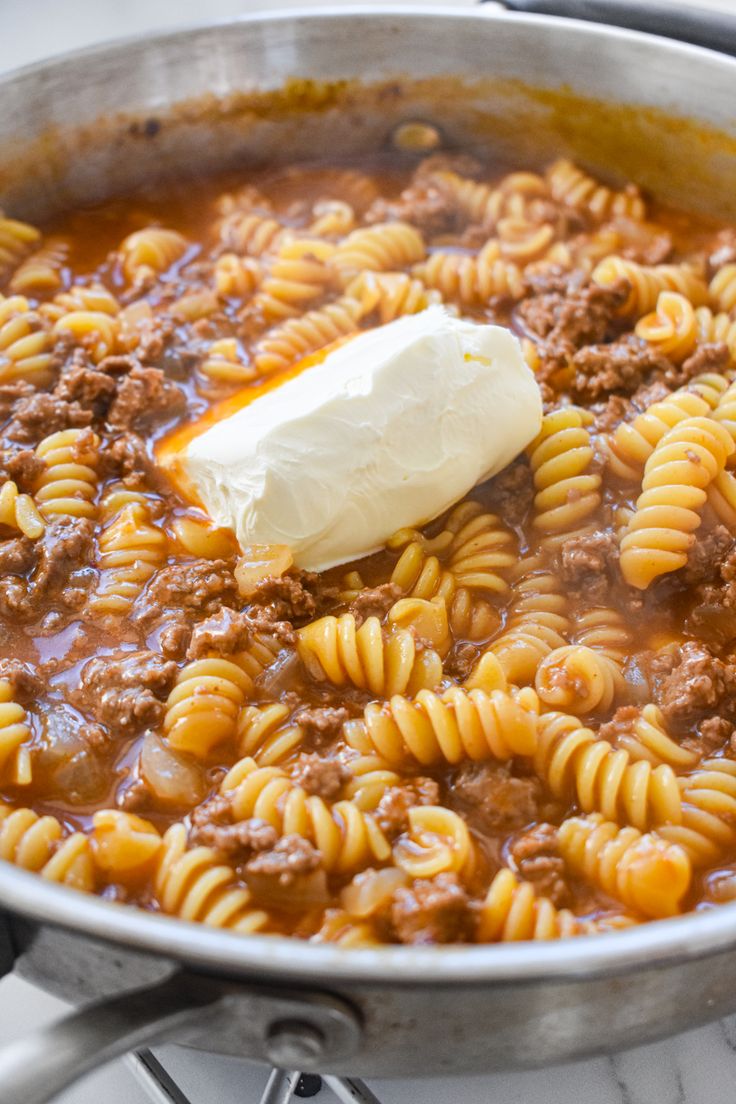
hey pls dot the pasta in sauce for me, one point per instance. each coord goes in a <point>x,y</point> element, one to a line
<point>516,723</point>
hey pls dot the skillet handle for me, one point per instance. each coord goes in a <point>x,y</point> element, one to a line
<point>36,1068</point>
<point>287,1028</point>
<point>716,30</point>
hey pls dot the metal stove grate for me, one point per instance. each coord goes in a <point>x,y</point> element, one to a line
<point>283,1085</point>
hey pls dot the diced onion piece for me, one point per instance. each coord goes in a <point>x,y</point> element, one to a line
<point>257,562</point>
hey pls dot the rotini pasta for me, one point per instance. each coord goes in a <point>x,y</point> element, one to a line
<point>574,763</point>
<point>19,511</point>
<point>512,912</point>
<point>561,458</point>
<point>646,874</point>
<point>571,185</point>
<point>647,282</point>
<point>472,281</point>
<point>645,738</point>
<point>456,725</point>
<point>676,476</point>
<point>346,838</point>
<point>153,250</point>
<point>131,549</point>
<point>194,885</point>
<point>16,240</point>
<point>25,344</point>
<point>380,248</point>
<point>68,486</point>
<point>41,845</point>
<point>334,648</point>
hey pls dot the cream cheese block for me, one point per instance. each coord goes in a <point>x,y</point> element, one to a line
<point>388,430</point>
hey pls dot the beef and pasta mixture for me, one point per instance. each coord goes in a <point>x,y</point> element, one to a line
<point>518,723</point>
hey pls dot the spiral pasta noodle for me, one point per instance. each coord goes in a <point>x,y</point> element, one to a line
<point>523,241</point>
<point>437,842</point>
<point>371,777</point>
<point>647,874</point>
<point>647,282</point>
<point>561,458</point>
<point>686,460</point>
<point>203,709</point>
<point>708,821</point>
<point>236,277</point>
<point>91,299</point>
<point>671,329</point>
<point>224,363</point>
<point>536,621</point>
<point>195,885</point>
<point>15,735</point>
<point>335,649</point>
<point>152,250</point>
<point>722,288</point>
<point>380,248</point>
<point>475,547</point>
<point>513,197</point>
<point>16,240</point>
<point>347,838</point>
<point>397,294</point>
<point>719,328</point>
<point>68,486</point>
<point>646,738</point>
<point>25,345</point>
<point>96,331</point>
<point>574,763</point>
<point>571,185</point>
<point>332,218</point>
<point>447,728</point>
<point>38,843</point>
<point>262,734</point>
<point>131,549</point>
<point>298,274</point>
<point>41,272</point>
<point>286,344</point>
<point>19,511</point>
<point>587,675</point>
<point>472,281</point>
<point>632,443</point>
<point>512,912</point>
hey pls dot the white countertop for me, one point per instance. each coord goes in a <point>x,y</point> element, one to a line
<point>696,1068</point>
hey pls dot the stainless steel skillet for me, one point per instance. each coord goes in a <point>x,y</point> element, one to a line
<point>98,122</point>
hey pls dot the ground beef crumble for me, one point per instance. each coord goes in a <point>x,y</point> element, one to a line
<point>494,800</point>
<point>374,602</point>
<point>699,685</point>
<point>200,586</point>
<point>39,414</point>
<point>125,691</point>
<point>321,777</point>
<point>289,858</point>
<point>512,492</point>
<point>322,724</point>
<point>297,596</point>
<point>211,825</point>
<point>27,683</point>
<point>535,856</point>
<point>567,312</point>
<point>621,367</point>
<point>585,564</point>
<point>392,812</point>
<point>433,910</point>
<point>143,396</point>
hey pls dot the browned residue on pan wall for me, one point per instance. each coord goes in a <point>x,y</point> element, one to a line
<point>680,160</point>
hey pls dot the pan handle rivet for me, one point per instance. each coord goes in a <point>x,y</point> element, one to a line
<point>292,1044</point>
